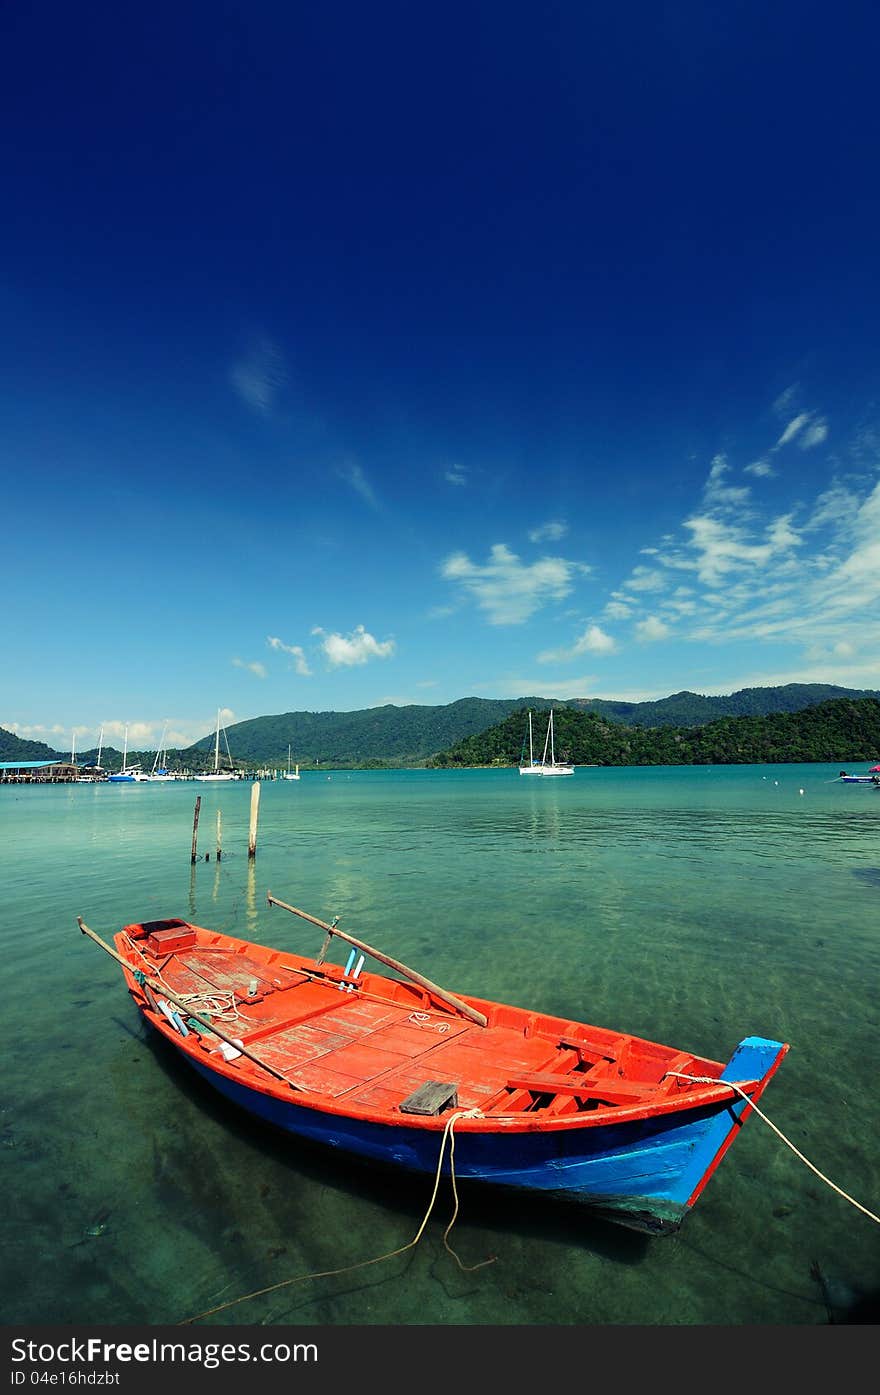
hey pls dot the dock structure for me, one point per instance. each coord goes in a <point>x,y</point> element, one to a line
<point>38,772</point>
<point>64,772</point>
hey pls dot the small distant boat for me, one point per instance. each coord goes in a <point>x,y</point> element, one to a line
<point>871,778</point>
<point>129,774</point>
<point>553,766</point>
<point>383,1066</point>
<point>218,774</point>
<point>291,774</point>
<point>533,767</point>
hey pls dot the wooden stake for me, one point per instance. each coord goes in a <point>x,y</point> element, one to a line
<point>196,825</point>
<point>160,987</point>
<point>464,1008</point>
<point>219,852</point>
<point>255,810</point>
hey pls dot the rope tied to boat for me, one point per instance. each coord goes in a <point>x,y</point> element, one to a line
<point>448,1137</point>
<point>220,1007</point>
<point>731,1085</point>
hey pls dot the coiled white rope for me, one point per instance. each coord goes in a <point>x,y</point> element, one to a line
<point>448,1136</point>
<point>708,1080</point>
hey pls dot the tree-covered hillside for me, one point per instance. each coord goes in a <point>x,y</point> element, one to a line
<point>840,730</point>
<point>413,734</point>
<point>14,747</point>
<point>688,709</point>
<point>381,735</point>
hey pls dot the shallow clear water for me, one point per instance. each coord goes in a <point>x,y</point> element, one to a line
<point>691,906</point>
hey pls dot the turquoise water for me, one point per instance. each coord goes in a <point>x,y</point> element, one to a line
<point>691,906</point>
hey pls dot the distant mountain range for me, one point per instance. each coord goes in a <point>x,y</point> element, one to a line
<point>413,735</point>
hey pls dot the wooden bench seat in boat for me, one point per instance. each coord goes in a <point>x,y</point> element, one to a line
<point>585,1086</point>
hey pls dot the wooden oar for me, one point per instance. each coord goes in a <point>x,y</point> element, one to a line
<point>463,1008</point>
<point>159,987</point>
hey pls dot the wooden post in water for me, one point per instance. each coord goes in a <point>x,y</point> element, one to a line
<point>255,810</point>
<point>196,826</point>
<point>219,854</point>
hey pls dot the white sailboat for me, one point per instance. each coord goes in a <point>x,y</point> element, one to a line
<point>552,767</point>
<point>218,774</point>
<point>159,774</point>
<point>291,774</point>
<point>533,767</point>
<point>94,774</point>
<point>129,774</point>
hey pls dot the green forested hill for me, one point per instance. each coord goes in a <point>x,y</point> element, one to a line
<point>14,747</point>
<point>843,729</point>
<point>688,709</point>
<point>382,735</point>
<point>413,734</point>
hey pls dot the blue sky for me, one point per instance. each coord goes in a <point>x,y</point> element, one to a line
<point>363,354</point>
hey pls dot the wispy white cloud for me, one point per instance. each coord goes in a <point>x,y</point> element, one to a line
<point>296,652</point>
<point>258,376</point>
<point>794,426</point>
<point>350,650</point>
<point>807,428</point>
<point>258,669</point>
<point>760,468</point>
<point>38,731</point>
<point>456,474</point>
<point>618,610</point>
<point>719,495</point>
<point>551,531</point>
<point>786,402</point>
<point>723,547</point>
<point>355,477</point>
<point>837,506</point>
<point>142,735</point>
<point>593,641</point>
<point>812,580</point>
<point>645,579</point>
<point>508,590</point>
<point>651,629</point>
<point>814,435</point>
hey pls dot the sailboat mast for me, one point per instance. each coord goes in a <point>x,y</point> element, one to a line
<point>100,746</point>
<point>217,745</point>
<point>531,756</point>
<point>159,750</point>
<point>552,752</point>
<point>125,751</point>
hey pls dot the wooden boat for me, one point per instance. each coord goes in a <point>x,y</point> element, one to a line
<point>383,1066</point>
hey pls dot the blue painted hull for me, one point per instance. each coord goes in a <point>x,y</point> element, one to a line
<point>644,1173</point>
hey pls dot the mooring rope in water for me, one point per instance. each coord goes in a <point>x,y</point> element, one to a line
<point>708,1080</point>
<point>448,1136</point>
